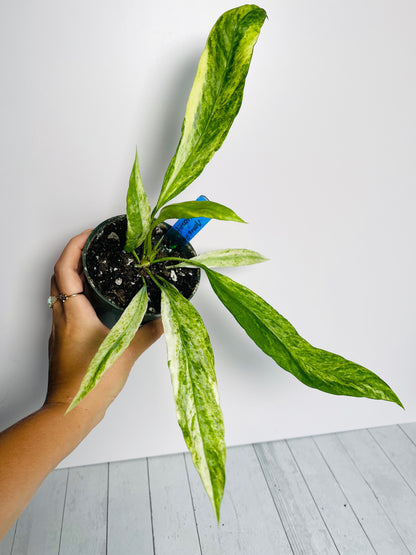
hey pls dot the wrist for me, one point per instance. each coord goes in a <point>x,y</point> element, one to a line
<point>32,448</point>
<point>77,423</point>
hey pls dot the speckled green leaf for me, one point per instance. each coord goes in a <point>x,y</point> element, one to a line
<point>191,365</point>
<point>138,210</point>
<point>114,344</point>
<point>279,339</point>
<point>223,258</point>
<point>197,209</point>
<point>216,96</point>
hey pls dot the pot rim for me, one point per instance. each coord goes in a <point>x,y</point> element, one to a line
<point>90,281</point>
<point>111,305</point>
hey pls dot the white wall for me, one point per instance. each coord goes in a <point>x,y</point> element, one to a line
<point>320,161</point>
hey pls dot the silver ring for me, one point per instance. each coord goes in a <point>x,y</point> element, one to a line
<point>61,297</point>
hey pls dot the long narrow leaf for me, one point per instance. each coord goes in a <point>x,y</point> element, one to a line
<point>114,344</point>
<point>138,210</point>
<point>196,209</point>
<point>279,339</point>
<point>191,365</point>
<point>216,96</point>
<point>225,258</point>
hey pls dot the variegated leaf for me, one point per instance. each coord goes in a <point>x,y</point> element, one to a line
<point>197,209</point>
<point>223,258</point>
<point>216,96</point>
<point>138,210</point>
<point>191,365</point>
<point>114,344</point>
<point>278,338</point>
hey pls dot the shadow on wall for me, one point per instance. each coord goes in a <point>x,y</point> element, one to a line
<point>167,126</point>
<point>20,397</point>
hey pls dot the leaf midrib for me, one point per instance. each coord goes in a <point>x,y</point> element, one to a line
<point>201,134</point>
<point>258,320</point>
<point>115,345</point>
<point>304,366</point>
<point>196,406</point>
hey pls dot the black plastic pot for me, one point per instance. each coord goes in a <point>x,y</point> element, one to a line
<point>109,312</point>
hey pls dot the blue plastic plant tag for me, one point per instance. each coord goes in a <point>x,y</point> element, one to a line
<point>185,229</point>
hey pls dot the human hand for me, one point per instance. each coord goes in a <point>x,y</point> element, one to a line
<point>76,335</point>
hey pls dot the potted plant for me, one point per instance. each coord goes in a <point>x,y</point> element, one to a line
<point>213,103</point>
<point>113,275</point>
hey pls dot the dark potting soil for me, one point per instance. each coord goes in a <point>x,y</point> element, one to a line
<point>116,275</point>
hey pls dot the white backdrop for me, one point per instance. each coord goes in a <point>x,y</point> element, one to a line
<point>320,161</point>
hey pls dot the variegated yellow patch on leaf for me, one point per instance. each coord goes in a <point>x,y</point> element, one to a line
<point>215,97</point>
<point>191,365</point>
<point>114,344</point>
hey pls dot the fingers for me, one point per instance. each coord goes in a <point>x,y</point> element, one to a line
<point>58,310</point>
<point>67,279</point>
<point>67,268</point>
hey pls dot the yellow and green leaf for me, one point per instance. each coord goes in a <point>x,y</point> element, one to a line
<point>114,345</point>
<point>138,210</point>
<point>224,258</point>
<point>215,97</point>
<point>196,209</point>
<point>191,365</point>
<point>278,338</point>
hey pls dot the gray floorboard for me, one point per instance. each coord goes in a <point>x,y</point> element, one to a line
<point>393,493</point>
<point>32,536</point>
<point>304,525</point>
<point>334,508</point>
<point>84,526</point>
<point>7,543</point>
<point>350,493</point>
<point>174,525</point>
<point>410,430</point>
<point>400,450</point>
<point>371,515</point>
<point>249,522</point>
<point>129,516</point>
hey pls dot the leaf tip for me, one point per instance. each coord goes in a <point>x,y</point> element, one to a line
<point>216,504</point>
<point>392,397</point>
<point>264,258</point>
<point>217,514</point>
<point>73,404</point>
<point>398,402</point>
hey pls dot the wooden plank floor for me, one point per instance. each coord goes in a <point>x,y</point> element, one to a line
<point>346,493</point>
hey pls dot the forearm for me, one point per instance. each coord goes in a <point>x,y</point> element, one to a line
<point>31,449</point>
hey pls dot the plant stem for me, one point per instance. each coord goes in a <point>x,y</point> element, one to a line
<point>136,257</point>
<point>169,258</point>
<point>154,251</point>
<point>147,247</point>
<point>152,277</point>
